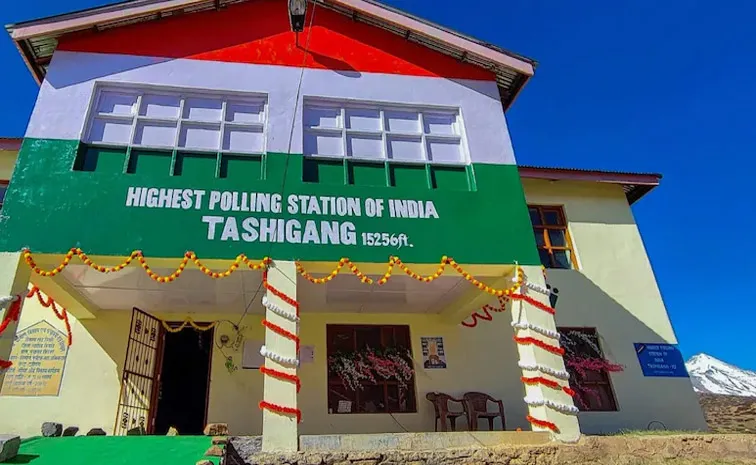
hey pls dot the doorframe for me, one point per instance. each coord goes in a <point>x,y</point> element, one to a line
<point>156,388</point>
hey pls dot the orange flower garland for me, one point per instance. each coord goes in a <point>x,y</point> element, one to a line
<point>536,342</point>
<point>486,315</point>
<point>14,311</point>
<point>50,303</point>
<point>281,409</point>
<point>543,424</point>
<point>548,383</point>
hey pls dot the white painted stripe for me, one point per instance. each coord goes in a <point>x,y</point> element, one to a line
<point>64,97</point>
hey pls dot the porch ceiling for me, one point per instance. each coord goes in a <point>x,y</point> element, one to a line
<point>194,292</point>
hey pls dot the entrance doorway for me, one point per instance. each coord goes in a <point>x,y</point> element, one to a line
<point>182,391</point>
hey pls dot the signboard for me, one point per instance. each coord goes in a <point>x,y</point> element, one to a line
<point>433,352</point>
<point>39,357</point>
<point>661,360</point>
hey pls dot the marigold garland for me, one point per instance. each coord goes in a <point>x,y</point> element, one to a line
<point>50,303</point>
<point>139,256</point>
<point>535,303</point>
<point>281,375</point>
<point>281,409</point>
<point>548,383</point>
<point>486,315</point>
<point>543,423</point>
<point>282,332</point>
<point>188,321</point>
<point>13,313</point>
<point>278,293</point>
<point>536,342</point>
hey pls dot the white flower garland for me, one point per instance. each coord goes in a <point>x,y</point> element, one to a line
<point>6,299</point>
<point>537,329</point>
<point>279,311</point>
<point>559,407</point>
<point>537,288</point>
<point>544,369</point>
<point>291,361</point>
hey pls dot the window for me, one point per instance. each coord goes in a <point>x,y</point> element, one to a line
<point>3,190</point>
<point>589,370</point>
<point>552,237</point>
<point>382,394</point>
<point>176,120</point>
<point>370,132</point>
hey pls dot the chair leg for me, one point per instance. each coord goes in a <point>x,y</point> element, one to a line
<point>490,423</point>
<point>473,422</point>
<point>435,425</point>
<point>453,421</point>
<point>443,423</point>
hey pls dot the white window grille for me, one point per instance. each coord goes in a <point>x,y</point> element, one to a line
<point>168,119</point>
<point>373,132</point>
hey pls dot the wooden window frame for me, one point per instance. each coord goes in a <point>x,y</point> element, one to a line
<point>334,381</point>
<point>606,378</point>
<point>544,228</point>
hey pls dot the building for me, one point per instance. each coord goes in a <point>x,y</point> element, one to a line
<point>197,163</point>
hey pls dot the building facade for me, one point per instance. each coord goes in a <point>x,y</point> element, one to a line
<point>193,168</point>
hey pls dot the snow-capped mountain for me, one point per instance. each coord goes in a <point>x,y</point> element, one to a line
<point>713,376</point>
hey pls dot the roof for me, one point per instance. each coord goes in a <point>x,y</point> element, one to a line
<point>36,40</point>
<point>635,185</point>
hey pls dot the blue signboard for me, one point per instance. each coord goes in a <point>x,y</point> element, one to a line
<point>661,360</point>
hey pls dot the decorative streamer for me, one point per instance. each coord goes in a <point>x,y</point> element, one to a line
<point>536,329</point>
<point>188,321</point>
<point>279,311</point>
<point>559,407</point>
<point>537,288</point>
<point>547,347</point>
<point>486,315</point>
<point>281,375</point>
<point>13,313</point>
<point>281,409</point>
<point>50,303</point>
<point>534,302</point>
<point>560,374</point>
<point>548,383</point>
<point>291,361</point>
<point>543,423</point>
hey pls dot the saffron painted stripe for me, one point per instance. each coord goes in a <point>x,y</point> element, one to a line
<point>65,95</point>
<point>259,33</point>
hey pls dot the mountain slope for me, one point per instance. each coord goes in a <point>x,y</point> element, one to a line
<point>713,376</point>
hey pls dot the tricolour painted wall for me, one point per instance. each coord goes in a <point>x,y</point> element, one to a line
<point>615,291</point>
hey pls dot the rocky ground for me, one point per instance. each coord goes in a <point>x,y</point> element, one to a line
<point>729,414</point>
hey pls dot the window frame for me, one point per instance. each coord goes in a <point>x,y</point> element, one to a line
<point>4,183</point>
<point>139,91</point>
<point>606,378</point>
<point>331,381</point>
<point>343,105</point>
<point>544,228</point>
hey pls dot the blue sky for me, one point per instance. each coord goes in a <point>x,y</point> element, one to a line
<point>637,86</point>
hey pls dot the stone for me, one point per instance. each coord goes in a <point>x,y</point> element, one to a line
<point>245,446</point>
<point>220,440</point>
<point>9,445</point>
<point>205,462</point>
<point>138,431</point>
<point>70,431</point>
<point>96,432</point>
<point>51,429</point>
<point>311,459</point>
<point>216,429</point>
<point>172,432</point>
<point>214,451</point>
<point>360,456</point>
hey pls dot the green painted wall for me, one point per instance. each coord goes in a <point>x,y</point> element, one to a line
<point>64,194</point>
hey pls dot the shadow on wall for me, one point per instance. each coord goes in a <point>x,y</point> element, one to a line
<point>641,400</point>
<point>259,32</point>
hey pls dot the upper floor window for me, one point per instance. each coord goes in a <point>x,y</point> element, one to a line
<point>552,237</point>
<point>208,122</point>
<point>3,190</point>
<point>375,132</point>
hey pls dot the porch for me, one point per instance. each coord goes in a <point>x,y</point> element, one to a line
<point>483,358</point>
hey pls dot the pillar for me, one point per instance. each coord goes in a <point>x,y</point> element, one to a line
<point>551,405</point>
<point>14,280</point>
<point>280,428</point>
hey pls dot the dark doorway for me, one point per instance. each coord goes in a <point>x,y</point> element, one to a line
<point>184,381</point>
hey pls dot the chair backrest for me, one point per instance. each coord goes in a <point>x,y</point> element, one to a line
<point>440,401</point>
<point>477,401</point>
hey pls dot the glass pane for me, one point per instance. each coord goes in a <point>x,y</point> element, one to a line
<point>111,132</point>
<point>3,190</point>
<point>240,139</point>
<point>557,238</point>
<point>155,134</point>
<point>440,123</point>
<point>338,392</point>
<point>340,339</point>
<point>405,148</point>
<point>116,103</point>
<point>365,147</point>
<point>364,119</point>
<point>239,112</point>
<point>552,217</point>
<point>402,121</point>
<point>369,337</point>
<point>160,106</point>
<point>540,241</point>
<point>545,258</point>
<point>444,151</point>
<point>535,216</point>
<point>372,399</point>
<point>318,117</point>
<point>203,109</point>
<point>562,259</point>
<point>199,136</point>
<point>323,144</point>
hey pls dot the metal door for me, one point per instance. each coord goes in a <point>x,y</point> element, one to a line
<point>141,374</point>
